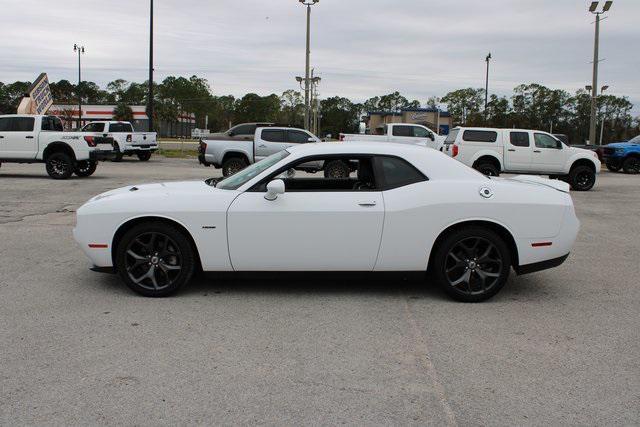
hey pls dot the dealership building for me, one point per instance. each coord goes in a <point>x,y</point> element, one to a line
<point>182,127</point>
<point>429,117</point>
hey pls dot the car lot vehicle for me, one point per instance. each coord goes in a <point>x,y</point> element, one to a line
<point>493,151</point>
<point>405,133</point>
<point>623,155</point>
<point>126,141</point>
<point>41,139</point>
<point>405,209</point>
<point>241,132</point>
<point>233,156</point>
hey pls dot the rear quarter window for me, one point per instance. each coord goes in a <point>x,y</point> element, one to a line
<point>120,127</point>
<point>451,138</point>
<point>480,136</point>
<point>397,172</point>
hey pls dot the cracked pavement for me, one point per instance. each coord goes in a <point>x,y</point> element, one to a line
<point>555,347</point>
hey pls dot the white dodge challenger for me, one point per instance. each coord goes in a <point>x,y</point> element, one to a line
<point>403,208</point>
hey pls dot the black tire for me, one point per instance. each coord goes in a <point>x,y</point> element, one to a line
<point>631,165</point>
<point>59,165</point>
<point>155,259</point>
<point>487,168</point>
<point>144,156</point>
<point>336,169</point>
<point>480,271</point>
<point>85,168</point>
<point>582,178</point>
<point>614,167</point>
<point>233,165</point>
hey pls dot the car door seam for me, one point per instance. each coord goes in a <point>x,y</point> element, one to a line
<point>384,217</point>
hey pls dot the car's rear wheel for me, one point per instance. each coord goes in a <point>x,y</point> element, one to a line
<point>487,168</point>
<point>144,156</point>
<point>582,178</point>
<point>631,165</point>
<point>233,165</point>
<point>614,167</point>
<point>472,264</point>
<point>85,168</point>
<point>336,169</point>
<point>59,165</point>
<point>155,259</point>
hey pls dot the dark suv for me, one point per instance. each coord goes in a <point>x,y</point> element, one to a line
<point>244,131</point>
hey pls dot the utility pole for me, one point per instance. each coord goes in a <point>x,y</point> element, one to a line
<point>150,95</point>
<point>594,85</point>
<point>80,50</point>
<point>307,82</point>
<point>486,87</point>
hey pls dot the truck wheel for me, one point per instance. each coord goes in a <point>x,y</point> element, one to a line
<point>144,156</point>
<point>487,168</point>
<point>582,178</point>
<point>471,264</point>
<point>85,168</point>
<point>631,165</point>
<point>336,169</point>
<point>59,166</point>
<point>613,167</point>
<point>155,259</point>
<point>233,165</point>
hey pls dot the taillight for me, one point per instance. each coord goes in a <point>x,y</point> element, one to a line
<point>91,142</point>
<point>454,150</point>
<point>129,138</point>
<point>203,147</point>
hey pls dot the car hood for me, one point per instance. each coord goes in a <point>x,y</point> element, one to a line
<point>620,145</point>
<point>182,188</point>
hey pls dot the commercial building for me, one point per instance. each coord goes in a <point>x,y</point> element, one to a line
<point>430,117</point>
<point>182,127</point>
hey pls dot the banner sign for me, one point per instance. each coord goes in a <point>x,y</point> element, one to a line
<point>40,94</point>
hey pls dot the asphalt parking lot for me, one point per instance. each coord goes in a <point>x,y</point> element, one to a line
<point>555,347</point>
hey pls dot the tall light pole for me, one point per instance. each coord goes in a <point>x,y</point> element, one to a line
<point>606,112</point>
<point>80,50</point>
<point>486,87</point>
<point>307,82</point>
<point>594,8</point>
<point>150,94</point>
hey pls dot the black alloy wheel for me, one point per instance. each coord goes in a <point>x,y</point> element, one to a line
<point>155,259</point>
<point>582,178</point>
<point>59,166</point>
<point>144,156</point>
<point>488,169</point>
<point>85,168</point>
<point>631,165</point>
<point>472,264</point>
<point>614,167</point>
<point>233,165</point>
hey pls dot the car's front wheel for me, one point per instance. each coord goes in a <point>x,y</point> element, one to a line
<point>155,259</point>
<point>472,264</point>
<point>631,165</point>
<point>582,178</point>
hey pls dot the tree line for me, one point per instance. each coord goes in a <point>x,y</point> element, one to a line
<point>531,106</point>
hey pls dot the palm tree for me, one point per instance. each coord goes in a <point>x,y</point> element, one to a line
<point>122,112</point>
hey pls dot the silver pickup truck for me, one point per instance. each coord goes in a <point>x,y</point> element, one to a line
<point>234,155</point>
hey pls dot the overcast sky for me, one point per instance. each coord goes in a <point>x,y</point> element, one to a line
<point>360,48</point>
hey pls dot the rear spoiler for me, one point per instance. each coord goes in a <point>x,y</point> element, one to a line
<point>553,183</point>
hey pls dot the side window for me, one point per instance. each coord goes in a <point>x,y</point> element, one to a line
<point>519,139</point>
<point>298,137</point>
<point>419,132</point>
<point>96,127</point>
<point>244,130</point>
<point>5,124</point>
<point>397,172</point>
<point>57,124</point>
<point>273,135</point>
<point>116,127</point>
<point>545,141</point>
<point>402,131</point>
<point>480,136</point>
<point>22,124</point>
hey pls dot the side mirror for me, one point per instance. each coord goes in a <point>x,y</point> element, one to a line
<point>230,133</point>
<point>431,137</point>
<point>274,188</point>
<point>311,139</point>
<point>559,145</point>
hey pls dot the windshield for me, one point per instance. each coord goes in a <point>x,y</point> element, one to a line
<point>236,181</point>
<point>452,136</point>
<point>635,140</point>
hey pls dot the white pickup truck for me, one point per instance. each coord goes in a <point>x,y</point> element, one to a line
<point>492,151</point>
<point>127,142</point>
<point>405,133</point>
<point>41,139</point>
<point>234,155</point>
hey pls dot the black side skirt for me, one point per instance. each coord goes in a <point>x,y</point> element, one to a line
<point>539,266</point>
<point>109,270</point>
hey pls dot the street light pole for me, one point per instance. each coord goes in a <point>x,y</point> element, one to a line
<point>486,87</point>
<point>606,112</point>
<point>150,95</point>
<point>80,50</point>
<point>594,85</point>
<point>307,82</point>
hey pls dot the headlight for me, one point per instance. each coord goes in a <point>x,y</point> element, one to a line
<point>619,150</point>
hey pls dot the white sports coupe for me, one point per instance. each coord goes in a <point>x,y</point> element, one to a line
<point>403,208</point>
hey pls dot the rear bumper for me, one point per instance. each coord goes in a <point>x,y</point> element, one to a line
<point>203,160</point>
<point>542,265</point>
<point>97,155</point>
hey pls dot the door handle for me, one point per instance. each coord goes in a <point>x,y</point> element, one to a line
<point>367,204</point>
<point>511,149</point>
<point>29,137</point>
<point>262,146</point>
<point>537,151</point>
<point>1,136</point>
